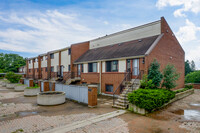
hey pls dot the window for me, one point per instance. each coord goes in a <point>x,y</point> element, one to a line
<point>112,66</point>
<point>29,70</point>
<point>46,69</point>
<point>29,61</point>
<point>52,56</point>
<point>41,58</point>
<point>82,68</point>
<point>92,67</point>
<point>69,51</point>
<point>52,69</point>
<point>36,60</point>
<point>128,65</point>
<point>69,68</point>
<point>109,88</point>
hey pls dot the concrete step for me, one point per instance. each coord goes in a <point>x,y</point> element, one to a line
<point>122,100</point>
<point>119,107</point>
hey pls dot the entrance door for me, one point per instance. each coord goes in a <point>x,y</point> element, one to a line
<point>79,69</point>
<point>61,71</point>
<point>135,68</point>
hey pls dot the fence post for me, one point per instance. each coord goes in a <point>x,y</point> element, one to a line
<point>31,83</point>
<point>92,95</point>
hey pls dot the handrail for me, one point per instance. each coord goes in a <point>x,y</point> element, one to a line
<point>139,76</point>
<point>125,78</point>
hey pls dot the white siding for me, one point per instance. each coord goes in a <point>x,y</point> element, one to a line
<point>85,68</point>
<point>44,62</point>
<point>98,67</point>
<point>30,65</point>
<point>55,61</point>
<point>103,66</point>
<point>147,30</point>
<point>65,60</point>
<point>35,64</point>
<point>122,65</point>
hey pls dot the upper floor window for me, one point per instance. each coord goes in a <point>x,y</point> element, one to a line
<point>82,68</point>
<point>92,67</point>
<point>46,57</point>
<point>69,68</point>
<point>52,69</point>
<point>29,61</point>
<point>112,66</point>
<point>69,51</point>
<point>52,56</point>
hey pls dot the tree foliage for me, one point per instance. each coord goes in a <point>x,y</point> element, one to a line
<point>189,67</point>
<point>11,62</point>
<point>154,73</point>
<point>170,76</point>
<point>193,77</point>
<point>12,77</point>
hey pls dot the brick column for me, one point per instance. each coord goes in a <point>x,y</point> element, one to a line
<point>48,66</point>
<point>92,95</point>
<point>39,67</point>
<point>33,69</point>
<point>27,69</point>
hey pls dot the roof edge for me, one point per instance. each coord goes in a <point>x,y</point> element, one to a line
<point>154,44</point>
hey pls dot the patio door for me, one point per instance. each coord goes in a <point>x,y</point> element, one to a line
<point>135,68</point>
<point>79,69</point>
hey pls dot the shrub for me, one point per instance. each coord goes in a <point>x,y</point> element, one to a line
<point>150,99</point>
<point>35,87</point>
<point>193,77</point>
<point>145,84</point>
<point>182,90</point>
<point>189,86</point>
<point>12,77</point>
<point>170,76</point>
<point>154,73</point>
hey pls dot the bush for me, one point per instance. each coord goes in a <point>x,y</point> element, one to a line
<point>189,86</point>
<point>193,77</point>
<point>170,76</point>
<point>12,77</point>
<point>150,99</point>
<point>145,84</point>
<point>35,87</point>
<point>182,90</point>
<point>154,73</point>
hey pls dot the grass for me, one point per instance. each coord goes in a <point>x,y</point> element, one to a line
<point>20,84</point>
<point>35,87</point>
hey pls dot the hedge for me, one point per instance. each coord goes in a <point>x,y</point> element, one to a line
<point>150,99</point>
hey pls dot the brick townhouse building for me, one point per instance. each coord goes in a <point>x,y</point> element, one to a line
<point>106,60</point>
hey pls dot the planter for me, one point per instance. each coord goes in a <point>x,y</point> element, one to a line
<point>11,85</point>
<point>4,83</point>
<point>178,96</point>
<point>20,87</point>
<point>31,92</point>
<point>50,98</point>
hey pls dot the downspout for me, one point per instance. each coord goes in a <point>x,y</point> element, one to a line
<point>100,76</point>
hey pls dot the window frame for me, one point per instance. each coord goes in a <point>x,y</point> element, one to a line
<point>112,88</point>
<point>92,68</point>
<point>111,66</point>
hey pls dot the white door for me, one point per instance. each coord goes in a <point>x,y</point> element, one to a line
<point>135,67</point>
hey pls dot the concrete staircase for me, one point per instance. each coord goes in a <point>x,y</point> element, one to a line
<point>122,100</point>
<point>70,80</point>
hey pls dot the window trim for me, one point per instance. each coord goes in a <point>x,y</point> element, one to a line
<point>111,66</point>
<point>107,91</point>
<point>92,67</point>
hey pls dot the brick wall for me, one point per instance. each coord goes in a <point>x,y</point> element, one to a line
<point>168,50</point>
<point>76,51</point>
<point>44,73</point>
<point>90,78</point>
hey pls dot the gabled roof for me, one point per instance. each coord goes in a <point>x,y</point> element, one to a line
<point>133,48</point>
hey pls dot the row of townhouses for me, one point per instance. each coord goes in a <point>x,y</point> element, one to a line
<point>106,60</point>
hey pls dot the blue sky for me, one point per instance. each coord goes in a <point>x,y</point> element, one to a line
<point>32,27</point>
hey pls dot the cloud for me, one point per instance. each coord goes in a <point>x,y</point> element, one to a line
<point>40,32</point>
<point>186,6</point>
<point>188,32</point>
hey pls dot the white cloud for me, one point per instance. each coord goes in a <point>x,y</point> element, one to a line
<point>186,5</point>
<point>188,32</point>
<point>41,32</point>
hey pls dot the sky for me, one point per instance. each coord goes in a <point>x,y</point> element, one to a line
<point>32,27</point>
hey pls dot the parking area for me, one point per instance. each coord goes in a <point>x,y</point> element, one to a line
<point>19,113</point>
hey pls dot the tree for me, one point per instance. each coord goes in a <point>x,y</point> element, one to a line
<point>11,62</point>
<point>193,77</point>
<point>154,73</point>
<point>193,66</point>
<point>170,76</point>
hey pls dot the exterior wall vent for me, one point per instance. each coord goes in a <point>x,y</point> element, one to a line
<point>139,40</point>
